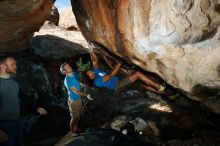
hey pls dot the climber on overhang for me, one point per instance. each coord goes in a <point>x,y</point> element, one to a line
<point>114,83</point>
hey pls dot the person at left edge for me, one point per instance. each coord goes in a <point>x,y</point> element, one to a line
<point>10,121</point>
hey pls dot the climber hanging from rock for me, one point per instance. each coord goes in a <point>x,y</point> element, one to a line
<point>114,83</point>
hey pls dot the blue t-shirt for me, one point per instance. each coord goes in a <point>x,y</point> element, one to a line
<point>71,81</point>
<point>98,81</point>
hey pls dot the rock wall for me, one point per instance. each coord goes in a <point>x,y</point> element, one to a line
<point>177,39</point>
<point>54,42</point>
<point>67,19</point>
<point>54,16</point>
<point>18,25</point>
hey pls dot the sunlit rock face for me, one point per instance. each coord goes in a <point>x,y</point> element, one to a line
<point>53,42</point>
<point>19,19</point>
<point>177,39</point>
<point>54,16</point>
<point>67,19</point>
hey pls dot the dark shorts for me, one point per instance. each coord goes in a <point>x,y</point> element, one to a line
<point>125,84</point>
<point>13,128</point>
<point>75,108</point>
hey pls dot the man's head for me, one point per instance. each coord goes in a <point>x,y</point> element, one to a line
<point>65,68</point>
<point>90,74</point>
<point>8,64</point>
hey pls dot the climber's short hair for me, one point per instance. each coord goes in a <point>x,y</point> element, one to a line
<point>88,69</point>
<point>3,58</point>
<point>62,69</point>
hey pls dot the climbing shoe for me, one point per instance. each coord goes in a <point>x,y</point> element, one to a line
<point>162,87</point>
<point>75,134</point>
<point>173,97</point>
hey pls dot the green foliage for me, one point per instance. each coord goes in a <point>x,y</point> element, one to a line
<point>83,66</point>
<point>64,90</point>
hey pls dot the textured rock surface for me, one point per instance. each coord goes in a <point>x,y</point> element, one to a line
<point>18,25</point>
<point>55,42</point>
<point>54,16</point>
<point>67,19</point>
<point>178,40</point>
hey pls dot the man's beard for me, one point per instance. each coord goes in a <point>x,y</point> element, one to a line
<point>9,71</point>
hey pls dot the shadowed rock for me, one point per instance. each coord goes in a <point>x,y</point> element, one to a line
<point>19,19</point>
<point>54,16</point>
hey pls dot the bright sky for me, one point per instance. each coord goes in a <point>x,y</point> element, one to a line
<point>60,4</point>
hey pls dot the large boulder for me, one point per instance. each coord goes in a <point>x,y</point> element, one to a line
<point>54,16</point>
<point>54,42</point>
<point>176,39</point>
<point>19,19</point>
<point>67,19</point>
